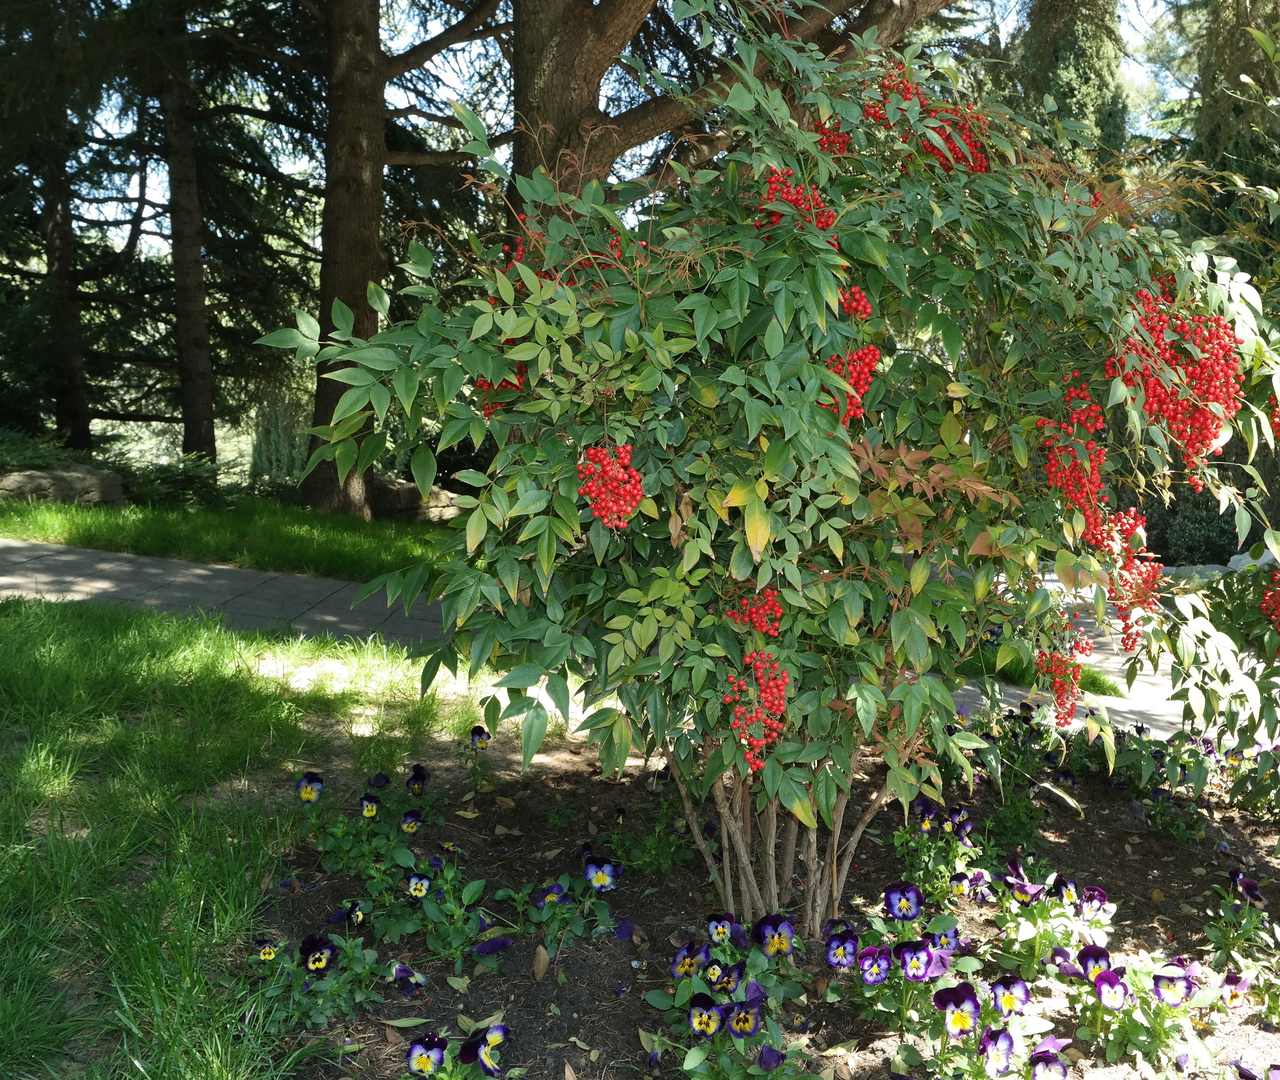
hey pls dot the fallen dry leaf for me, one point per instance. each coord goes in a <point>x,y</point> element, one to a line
<point>541,962</point>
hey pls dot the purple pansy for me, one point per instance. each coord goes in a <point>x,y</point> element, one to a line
<point>960,1010</point>
<point>1009,995</point>
<point>903,901</point>
<point>875,962</point>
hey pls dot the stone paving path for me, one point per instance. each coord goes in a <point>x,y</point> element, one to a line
<point>245,599</point>
<point>312,607</point>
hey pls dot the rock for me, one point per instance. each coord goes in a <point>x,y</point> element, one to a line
<point>392,498</point>
<point>1244,561</point>
<point>438,506</point>
<point>82,484</point>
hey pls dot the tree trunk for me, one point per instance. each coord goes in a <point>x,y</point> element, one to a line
<point>351,222</point>
<point>66,346</point>
<point>191,322</point>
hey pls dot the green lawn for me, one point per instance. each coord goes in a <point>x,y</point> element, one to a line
<point>1017,673</point>
<point>145,802</point>
<point>254,533</point>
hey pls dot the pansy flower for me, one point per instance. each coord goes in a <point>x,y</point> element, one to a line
<point>316,952</point>
<point>689,960</point>
<point>406,979</point>
<point>1093,898</point>
<point>729,978</point>
<point>997,1048</point>
<point>369,804</point>
<point>960,1010</point>
<point>352,914</point>
<point>1066,890</point>
<point>1009,994</point>
<point>419,885</point>
<point>492,946</point>
<point>957,817</point>
<point>309,786</point>
<point>410,821</point>
<point>959,885</point>
<point>720,928</point>
<point>480,1047</point>
<point>770,1058</point>
<point>416,783</point>
<point>451,849</point>
<point>480,737</point>
<point>980,885</point>
<point>903,901</point>
<point>1026,893</point>
<point>915,958</point>
<point>712,973</point>
<point>944,940</point>
<point>963,831</point>
<point>1093,961</point>
<point>835,926</point>
<point>874,961</point>
<point>1047,1065</point>
<point>552,894</point>
<point>1061,959</point>
<point>426,1056</point>
<point>378,781</point>
<point>775,935</point>
<point>1172,989</point>
<point>601,875</point>
<point>1111,989</point>
<point>1235,989</point>
<point>1246,887</point>
<point>842,951</point>
<point>744,1017</point>
<point>267,949</point>
<point>705,1017</point>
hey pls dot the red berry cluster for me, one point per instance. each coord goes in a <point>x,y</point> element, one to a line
<point>762,613</point>
<point>1200,352</point>
<point>515,250</point>
<point>1134,585</point>
<point>760,726</point>
<point>487,405</point>
<point>1095,200</point>
<point>1275,416</point>
<point>1078,479</point>
<point>831,140</point>
<point>854,303</point>
<point>610,485</point>
<point>1271,600</point>
<point>960,128</point>
<point>1064,674</point>
<point>857,369</point>
<point>807,201</point>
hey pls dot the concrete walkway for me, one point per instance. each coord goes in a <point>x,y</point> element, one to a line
<point>313,607</point>
<point>245,599</point>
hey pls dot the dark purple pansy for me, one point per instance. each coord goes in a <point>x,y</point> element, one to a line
<point>902,901</point>
<point>1111,989</point>
<point>875,962</point>
<point>914,957</point>
<point>945,940</point>
<point>378,781</point>
<point>959,885</point>
<point>775,935</point>
<point>1046,1065</point>
<point>1066,890</point>
<point>720,928</point>
<point>1093,961</point>
<point>770,1058</point>
<point>1093,899</point>
<point>406,979</point>
<point>1061,959</point>
<point>1172,987</point>
<point>625,930</point>
<point>601,874</point>
<point>425,1057</point>
<point>706,1018</point>
<point>689,960</point>
<point>1009,995</point>
<point>480,737</point>
<point>960,1010</point>
<point>552,894</point>
<point>1246,887</point>
<point>410,821</point>
<point>842,951</point>
<point>492,946</point>
<point>729,978</point>
<point>369,804</point>
<point>316,952</point>
<point>352,914</point>
<point>743,1019</point>
<point>479,1049</point>
<point>309,786</point>
<point>997,1049</point>
<point>416,783</point>
<point>1235,989</point>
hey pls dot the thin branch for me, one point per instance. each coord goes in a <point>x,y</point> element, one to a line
<point>882,796</point>
<point>134,417</point>
<point>422,114</point>
<point>273,116</point>
<point>427,157</point>
<point>469,28</point>
<point>695,828</point>
<point>728,823</point>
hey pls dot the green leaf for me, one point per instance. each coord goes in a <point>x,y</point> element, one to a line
<point>533,731</point>
<point>402,856</point>
<point>405,1021</point>
<point>471,122</point>
<point>756,525</point>
<point>472,892</point>
<point>742,100</point>
<point>343,318</point>
<point>307,324</point>
<point>423,467</point>
<point>282,339</point>
<point>697,1054</point>
<point>378,299</point>
<point>773,338</point>
<point>522,677</point>
<point>477,526</point>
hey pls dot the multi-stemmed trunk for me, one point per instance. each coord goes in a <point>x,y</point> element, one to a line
<point>762,848</point>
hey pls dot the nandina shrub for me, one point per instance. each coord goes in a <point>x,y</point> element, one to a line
<point>779,447</point>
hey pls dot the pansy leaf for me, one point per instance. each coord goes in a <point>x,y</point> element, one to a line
<point>533,731</point>
<point>472,892</point>
<point>406,1021</point>
<point>402,856</point>
<point>695,1057</point>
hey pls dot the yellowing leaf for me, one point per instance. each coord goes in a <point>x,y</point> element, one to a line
<point>756,525</point>
<point>739,493</point>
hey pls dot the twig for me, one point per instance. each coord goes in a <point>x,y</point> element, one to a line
<point>845,863</point>
<point>695,828</point>
<point>740,848</point>
<point>829,880</point>
<point>789,837</point>
<point>770,854</point>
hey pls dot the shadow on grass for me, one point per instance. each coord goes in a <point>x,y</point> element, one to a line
<point>128,892</point>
